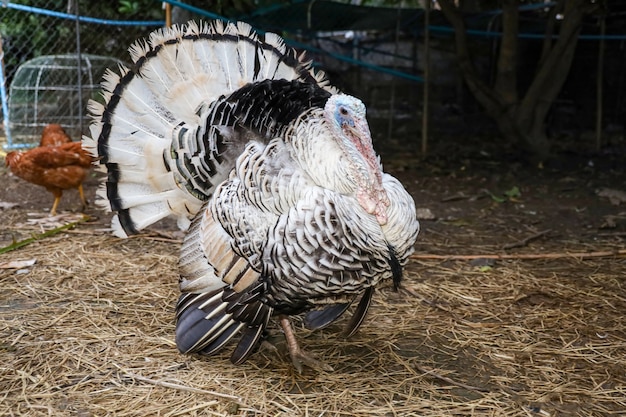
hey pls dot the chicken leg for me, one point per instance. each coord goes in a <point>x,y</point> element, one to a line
<point>57,199</point>
<point>81,194</point>
<point>299,357</point>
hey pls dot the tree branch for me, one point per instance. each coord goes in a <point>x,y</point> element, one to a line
<point>549,33</point>
<point>552,74</point>
<point>573,255</point>
<point>481,91</point>
<point>506,76</point>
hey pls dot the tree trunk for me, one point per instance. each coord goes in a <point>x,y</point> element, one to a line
<point>506,75</point>
<point>521,122</point>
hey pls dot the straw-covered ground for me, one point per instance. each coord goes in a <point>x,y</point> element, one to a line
<point>87,329</point>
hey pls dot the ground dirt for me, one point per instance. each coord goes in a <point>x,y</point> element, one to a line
<point>86,327</point>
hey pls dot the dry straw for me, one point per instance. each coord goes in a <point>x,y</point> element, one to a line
<point>87,330</point>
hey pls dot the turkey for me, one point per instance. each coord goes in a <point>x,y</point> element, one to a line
<point>268,168</point>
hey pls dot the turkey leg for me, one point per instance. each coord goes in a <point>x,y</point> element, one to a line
<point>299,357</point>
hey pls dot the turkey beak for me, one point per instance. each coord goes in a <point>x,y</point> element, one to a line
<point>361,132</point>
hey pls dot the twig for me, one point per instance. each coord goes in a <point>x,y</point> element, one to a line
<point>34,238</point>
<point>455,197</point>
<point>162,239</point>
<point>526,241</point>
<point>581,255</point>
<point>450,380</point>
<point>612,234</point>
<point>463,196</point>
<point>180,387</point>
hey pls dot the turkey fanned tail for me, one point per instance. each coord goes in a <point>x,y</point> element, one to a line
<point>151,133</point>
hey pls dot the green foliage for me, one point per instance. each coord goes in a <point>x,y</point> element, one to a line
<point>137,9</point>
<point>512,194</point>
<point>26,35</point>
<point>129,7</point>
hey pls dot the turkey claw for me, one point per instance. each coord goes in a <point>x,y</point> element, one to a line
<point>299,358</point>
<point>265,345</point>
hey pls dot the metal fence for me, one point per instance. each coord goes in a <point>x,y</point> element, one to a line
<point>54,54</point>
<point>379,60</point>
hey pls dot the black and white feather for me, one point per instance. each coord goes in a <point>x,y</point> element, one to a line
<point>269,169</point>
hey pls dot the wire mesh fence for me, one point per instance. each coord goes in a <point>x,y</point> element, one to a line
<point>53,50</point>
<point>54,53</point>
<point>373,53</point>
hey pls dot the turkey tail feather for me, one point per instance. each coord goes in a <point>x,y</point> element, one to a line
<point>205,322</point>
<point>153,108</point>
<point>249,340</point>
<point>318,319</point>
<point>360,312</point>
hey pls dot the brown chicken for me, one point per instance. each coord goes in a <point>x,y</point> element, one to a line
<point>55,167</point>
<point>54,135</point>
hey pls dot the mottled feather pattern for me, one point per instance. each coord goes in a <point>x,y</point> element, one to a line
<point>401,230</point>
<point>268,168</point>
<point>324,240</point>
<point>316,253</point>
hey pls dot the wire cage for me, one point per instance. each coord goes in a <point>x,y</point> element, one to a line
<point>47,89</point>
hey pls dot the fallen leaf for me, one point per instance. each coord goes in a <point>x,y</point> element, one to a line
<point>18,264</point>
<point>4,205</point>
<point>425,214</point>
<point>616,197</point>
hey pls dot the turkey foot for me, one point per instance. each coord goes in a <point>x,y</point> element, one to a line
<point>300,357</point>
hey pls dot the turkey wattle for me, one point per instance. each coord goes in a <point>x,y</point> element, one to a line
<point>271,171</point>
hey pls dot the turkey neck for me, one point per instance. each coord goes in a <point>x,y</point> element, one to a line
<point>334,160</point>
<point>370,192</point>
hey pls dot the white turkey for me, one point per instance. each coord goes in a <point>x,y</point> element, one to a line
<point>269,169</point>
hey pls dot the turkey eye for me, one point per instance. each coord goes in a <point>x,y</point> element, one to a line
<point>343,111</point>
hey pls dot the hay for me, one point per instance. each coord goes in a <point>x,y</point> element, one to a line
<point>88,330</point>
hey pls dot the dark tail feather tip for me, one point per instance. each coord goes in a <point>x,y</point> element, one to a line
<point>396,268</point>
